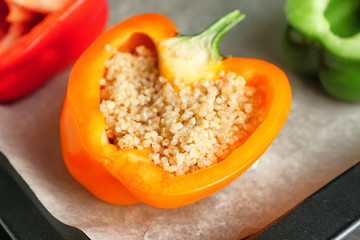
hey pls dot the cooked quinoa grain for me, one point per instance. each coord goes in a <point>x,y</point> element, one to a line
<point>187,129</point>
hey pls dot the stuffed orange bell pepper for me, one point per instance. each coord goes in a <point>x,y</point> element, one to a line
<point>40,38</point>
<point>154,116</point>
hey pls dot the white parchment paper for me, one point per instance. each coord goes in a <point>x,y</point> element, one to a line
<point>320,140</point>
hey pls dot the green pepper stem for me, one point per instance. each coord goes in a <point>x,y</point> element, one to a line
<point>212,35</point>
<point>217,30</point>
<point>190,57</point>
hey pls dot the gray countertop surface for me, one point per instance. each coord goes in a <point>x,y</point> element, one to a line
<point>320,140</point>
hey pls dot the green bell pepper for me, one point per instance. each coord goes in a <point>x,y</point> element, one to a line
<point>323,39</point>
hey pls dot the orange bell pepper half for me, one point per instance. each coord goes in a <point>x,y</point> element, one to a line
<point>128,176</point>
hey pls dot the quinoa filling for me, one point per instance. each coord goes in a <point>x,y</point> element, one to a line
<point>187,129</point>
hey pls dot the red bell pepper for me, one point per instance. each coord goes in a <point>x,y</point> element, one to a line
<point>50,46</point>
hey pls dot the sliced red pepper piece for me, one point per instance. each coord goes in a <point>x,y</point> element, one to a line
<point>50,46</point>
